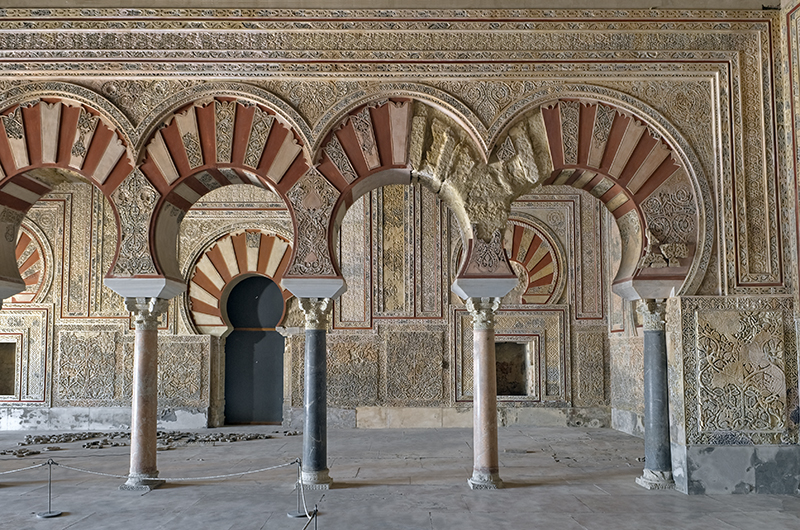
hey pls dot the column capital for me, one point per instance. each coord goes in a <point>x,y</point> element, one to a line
<point>653,314</point>
<point>483,311</point>
<point>146,311</point>
<point>317,312</point>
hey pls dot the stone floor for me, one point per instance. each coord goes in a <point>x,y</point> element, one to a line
<point>565,478</point>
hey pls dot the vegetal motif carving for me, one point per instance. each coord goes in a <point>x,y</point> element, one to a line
<point>136,200</point>
<point>225,115</point>
<point>488,256</point>
<point>13,124</point>
<point>336,153</point>
<point>570,118</point>
<point>742,386</point>
<point>259,133</point>
<point>86,366</point>
<point>313,199</point>
<point>87,123</point>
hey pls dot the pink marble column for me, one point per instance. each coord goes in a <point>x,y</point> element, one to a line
<point>485,473</point>
<point>144,409</point>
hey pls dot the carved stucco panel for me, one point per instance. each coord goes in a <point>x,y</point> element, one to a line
<point>739,366</point>
<point>30,329</point>
<point>589,373</point>
<point>312,199</point>
<point>627,367</point>
<point>136,200</point>
<point>353,367</point>
<point>86,367</point>
<point>414,368</point>
<point>740,371</point>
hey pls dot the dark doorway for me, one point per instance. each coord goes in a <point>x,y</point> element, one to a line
<point>254,353</point>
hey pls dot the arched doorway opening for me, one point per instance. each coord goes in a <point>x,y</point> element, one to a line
<point>254,353</point>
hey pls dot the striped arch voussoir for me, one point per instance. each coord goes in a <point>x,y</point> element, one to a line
<point>607,152</point>
<point>219,141</point>
<point>629,167</point>
<point>229,258</point>
<point>371,139</point>
<point>46,134</point>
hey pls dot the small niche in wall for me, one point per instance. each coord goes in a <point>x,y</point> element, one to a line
<point>8,368</point>
<point>512,368</point>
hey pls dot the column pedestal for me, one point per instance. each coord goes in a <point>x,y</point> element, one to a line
<point>143,474</point>
<point>485,473</point>
<point>657,472</point>
<point>315,474</point>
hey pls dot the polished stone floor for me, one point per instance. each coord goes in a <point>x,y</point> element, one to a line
<point>556,478</point>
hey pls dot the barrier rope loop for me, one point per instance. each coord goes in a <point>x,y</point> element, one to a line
<point>173,479</point>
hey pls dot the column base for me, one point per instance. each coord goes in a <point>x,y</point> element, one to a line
<point>485,481</point>
<point>141,483</point>
<point>316,480</point>
<point>656,480</point>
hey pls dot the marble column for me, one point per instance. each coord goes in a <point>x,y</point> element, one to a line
<point>144,410</point>
<point>315,395</point>
<point>658,461</point>
<point>485,472</point>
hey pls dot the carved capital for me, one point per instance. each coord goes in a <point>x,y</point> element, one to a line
<point>483,311</point>
<point>146,311</point>
<point>317,311</point>
<point>653,314</point>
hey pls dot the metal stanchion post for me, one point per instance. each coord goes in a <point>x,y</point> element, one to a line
<point>298,513</point>
<point>49,513</point>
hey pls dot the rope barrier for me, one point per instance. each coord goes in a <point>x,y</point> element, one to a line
<point>176,479</point>
<point>312,516</point>
<point>23,469</point>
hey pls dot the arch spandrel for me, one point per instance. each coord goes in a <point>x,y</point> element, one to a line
<point>651,183</point>
<point>203,145</point>
<point>399,141</point>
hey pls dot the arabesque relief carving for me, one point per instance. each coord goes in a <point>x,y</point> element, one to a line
<point>475,87</point>
<point>136,200</point>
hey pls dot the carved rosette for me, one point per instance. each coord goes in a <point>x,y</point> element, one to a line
<point>146,311</point>
<point>483,311</point>
<point>313,199</point>
<point>653,314</point>
<point>317,312</point>
<point>135,199</point>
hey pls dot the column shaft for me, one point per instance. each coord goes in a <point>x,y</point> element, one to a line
<point>315,400</point>
<point>315,395</point>
<point>485,473</point>
<point>657,472</point>
<point>144,407</point>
